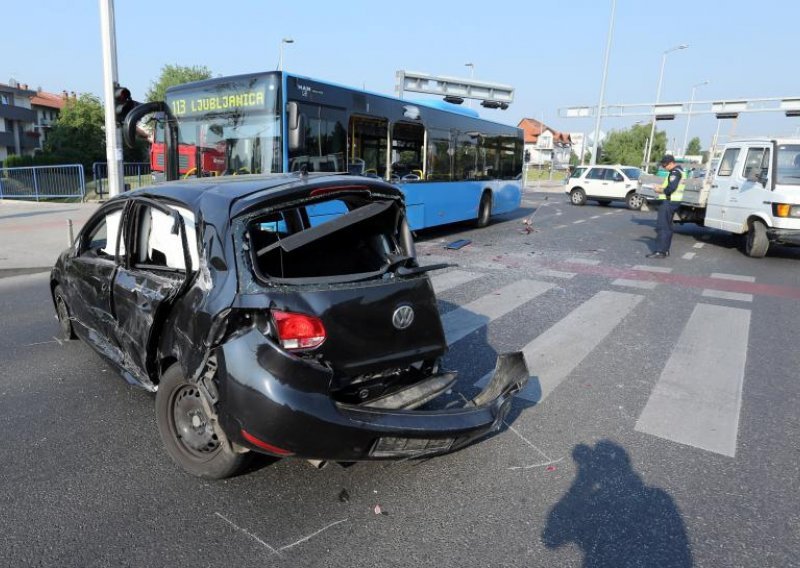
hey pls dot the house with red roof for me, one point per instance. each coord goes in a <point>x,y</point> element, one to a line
<point>545,145</point>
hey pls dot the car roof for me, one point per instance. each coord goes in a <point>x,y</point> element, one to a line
<point>220,198</point>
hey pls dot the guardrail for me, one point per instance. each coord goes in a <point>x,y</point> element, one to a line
<point>43,182</point>
<point>135,174</point>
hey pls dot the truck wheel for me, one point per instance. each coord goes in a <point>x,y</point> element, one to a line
<point>63,314</point>
<point>577,196</point>
<point>634,201</point>
<point>190,437</point>
<point>756,241</point>
<point>484,210</point>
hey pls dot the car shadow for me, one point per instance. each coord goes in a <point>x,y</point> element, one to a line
<point>614,517</point>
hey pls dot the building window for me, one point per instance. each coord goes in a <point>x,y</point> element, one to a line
<point>4,99</point>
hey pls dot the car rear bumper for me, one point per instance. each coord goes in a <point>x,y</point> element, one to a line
<point>282,400</point>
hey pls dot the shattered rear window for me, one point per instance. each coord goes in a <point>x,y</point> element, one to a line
<point>326,239</point>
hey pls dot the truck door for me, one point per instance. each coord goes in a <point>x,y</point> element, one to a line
<point>724,183</point>
<point>750,196</point>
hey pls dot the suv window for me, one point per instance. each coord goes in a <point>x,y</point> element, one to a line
<point>596,173</point>
<point>578,172</point>
<point>728,161</point>
<point>614,175</point>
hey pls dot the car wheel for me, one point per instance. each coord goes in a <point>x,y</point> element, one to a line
<point>63,314</point>
<point>756,241</point>
<point>604,202</point>
<point>192,439</point>
<point>577,196</point>
<point>485,210</point>
<point>634,201</point>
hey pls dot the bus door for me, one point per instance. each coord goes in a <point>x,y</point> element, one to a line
<point>368,146</point>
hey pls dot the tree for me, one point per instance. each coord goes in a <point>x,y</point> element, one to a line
<point>78,135</point>
<point>694,149</point>
<point>172,75</point>
<point>627,146</point>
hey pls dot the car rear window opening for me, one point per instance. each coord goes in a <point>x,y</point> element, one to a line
<point>325,239</point>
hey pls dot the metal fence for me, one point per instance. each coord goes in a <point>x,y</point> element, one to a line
<point>43,182</point>
<point>135,174</point>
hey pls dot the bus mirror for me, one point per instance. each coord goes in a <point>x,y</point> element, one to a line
<point>296,126</point>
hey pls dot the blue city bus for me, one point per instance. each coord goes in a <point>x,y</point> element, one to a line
<point>450,164</point>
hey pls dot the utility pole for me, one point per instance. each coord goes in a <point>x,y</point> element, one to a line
<point>113,133</point>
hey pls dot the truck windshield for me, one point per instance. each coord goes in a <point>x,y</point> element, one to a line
<point>233,125</point>
<point>788,170</point>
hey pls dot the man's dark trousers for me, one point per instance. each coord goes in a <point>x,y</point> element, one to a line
<point>666,209</point>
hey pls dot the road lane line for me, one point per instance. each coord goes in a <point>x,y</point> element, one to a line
<point>648,268</point>
<point>736,277</point>
<point>594,217</point>
<point>560,226</point>
<point>442,282</point>
<point>643,284</point>
<point>698,397</point>
<point>587,261</point>
<point>688,255</point>
<point>699,245</point>
<point>724,295</point>
<point>468,318</point>
<point>579,221</point>
<point>554,354</point>
<point>555,273</point>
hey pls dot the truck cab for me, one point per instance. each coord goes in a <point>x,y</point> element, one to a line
<point>753,191</point>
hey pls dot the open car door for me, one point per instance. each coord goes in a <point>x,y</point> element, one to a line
<point>162,250</point>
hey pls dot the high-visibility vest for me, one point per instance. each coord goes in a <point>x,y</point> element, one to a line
<point>677,195</point>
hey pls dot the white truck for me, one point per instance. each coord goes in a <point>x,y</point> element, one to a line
<point>753,191</point>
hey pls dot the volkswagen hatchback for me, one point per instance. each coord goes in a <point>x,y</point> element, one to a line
<point>285,315</point>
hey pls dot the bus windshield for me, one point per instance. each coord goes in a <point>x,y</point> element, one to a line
<point>231,125</point>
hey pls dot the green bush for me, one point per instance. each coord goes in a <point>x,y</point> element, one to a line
<point>41,159</point>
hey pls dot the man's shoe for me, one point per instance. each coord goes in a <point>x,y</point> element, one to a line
<point>657,254</point>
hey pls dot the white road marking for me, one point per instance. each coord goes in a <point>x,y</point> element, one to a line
<point>248,533</point>
<point>555,273</point>
<point>648,268</point>
<point>488,265</point>
<point>553,355</point>
<point>688,255</point>
<point>725,295</point>
<point>699,245</point>
<point>609,213</point>
<point>579,221</point>
<point>594,217</point>
<point>588,261</point>
<point>699,395</point>
<point>468,318</point>
<point>560,226</point>
<point>737,277</point>
<point>643,284</point>
<point>312,535</point>
<point>435,259</point>
<point>442,282</point>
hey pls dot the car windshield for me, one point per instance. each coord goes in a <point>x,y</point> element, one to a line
<point>788,167</point>
<point>235,122</point>
<point>632,173</point>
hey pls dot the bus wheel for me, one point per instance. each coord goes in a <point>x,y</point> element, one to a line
<point>756,241</point>
<point>485,210</point>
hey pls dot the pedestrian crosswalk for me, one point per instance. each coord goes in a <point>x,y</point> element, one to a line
<point>697,397</point>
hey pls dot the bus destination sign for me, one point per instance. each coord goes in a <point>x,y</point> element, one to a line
<point>187,104</point>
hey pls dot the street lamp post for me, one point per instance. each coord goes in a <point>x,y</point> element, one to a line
<point>280,58</point>
<point>689,116</point>
<point>658,99</point>
<point>596,141</point>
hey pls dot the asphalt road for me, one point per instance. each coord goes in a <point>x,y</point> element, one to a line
<point>660,426</point>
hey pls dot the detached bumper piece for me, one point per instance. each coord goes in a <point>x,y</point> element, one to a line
<point>447,430</point>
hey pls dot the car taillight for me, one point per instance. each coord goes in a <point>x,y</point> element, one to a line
<point>298,331</point>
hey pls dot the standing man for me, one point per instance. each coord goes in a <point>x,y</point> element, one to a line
<point>670,195</point>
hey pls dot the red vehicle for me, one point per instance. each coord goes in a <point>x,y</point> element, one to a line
<point>212,159</point>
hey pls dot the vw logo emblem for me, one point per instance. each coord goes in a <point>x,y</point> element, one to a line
<point>402,317</point>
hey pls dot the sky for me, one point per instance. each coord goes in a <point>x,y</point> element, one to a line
<point>550,52</point>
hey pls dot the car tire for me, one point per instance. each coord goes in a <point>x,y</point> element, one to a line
<point>484,210</point>
<point>634,201</point>
<point>191,438</point>
<point>63,314</point>
<point>577,196</point>
<point>604,202</point>
<point>756,241</point>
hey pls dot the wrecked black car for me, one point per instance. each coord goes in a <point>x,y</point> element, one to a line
<point>285,315</point>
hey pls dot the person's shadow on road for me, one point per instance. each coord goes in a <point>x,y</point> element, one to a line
<point>615,518</point>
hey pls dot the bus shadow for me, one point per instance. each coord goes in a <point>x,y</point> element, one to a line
<point>614,517</point>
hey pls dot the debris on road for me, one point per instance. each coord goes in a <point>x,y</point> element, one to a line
<point>459,244</point>
<point>344,496</point>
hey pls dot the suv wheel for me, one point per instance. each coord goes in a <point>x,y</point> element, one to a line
<point>192,439</point>
<point>634,201</point>
<point>577,196</point>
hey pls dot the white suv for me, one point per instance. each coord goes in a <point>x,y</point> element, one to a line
<point>605,184</point>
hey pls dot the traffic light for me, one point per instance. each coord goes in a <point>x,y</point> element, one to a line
<point>123,103</point>
<point>527,156</point>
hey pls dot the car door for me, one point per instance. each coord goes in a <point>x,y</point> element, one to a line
<point>613,185</point>
<point>750,197</point>
<point>162,251</point>
<point>90,272</point>
<point>725,181</point>
<point>592,181</point>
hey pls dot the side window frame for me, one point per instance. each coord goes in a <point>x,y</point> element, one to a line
<point>134,225</point>
<point>735,153</point>
<point>83,250</point>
